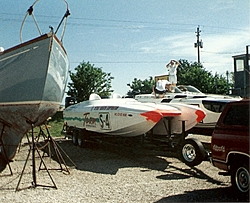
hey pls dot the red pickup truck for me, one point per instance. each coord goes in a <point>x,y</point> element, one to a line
<point>230,144</point>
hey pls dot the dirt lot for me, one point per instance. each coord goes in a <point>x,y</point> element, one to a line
<point>108,173</point>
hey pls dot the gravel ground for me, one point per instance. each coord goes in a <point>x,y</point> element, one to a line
<point>114,174</point>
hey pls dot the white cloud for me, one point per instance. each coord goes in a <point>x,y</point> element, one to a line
<point>219,49</point>
<point>216,55</point>
<point>221,5</point>
<point>166,45</point>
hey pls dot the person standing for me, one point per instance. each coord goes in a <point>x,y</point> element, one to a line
<point>172,65</point>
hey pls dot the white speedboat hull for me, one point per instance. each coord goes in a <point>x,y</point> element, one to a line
<point>189,117</point>
<point>120,117</point>
<point>128,117</point>
<point>213,107</point>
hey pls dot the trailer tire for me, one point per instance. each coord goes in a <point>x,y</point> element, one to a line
<point>75,137</point>
<point>80,140</point>
<point>192,152</point>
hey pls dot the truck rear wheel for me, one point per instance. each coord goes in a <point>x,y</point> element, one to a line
<point>240,178</point>
<point>192,152</point>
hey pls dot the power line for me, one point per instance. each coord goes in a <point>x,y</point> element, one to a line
<point>222,53</point>
<point>138,62</point>
<point>125,62</point>
<point>83,23</point>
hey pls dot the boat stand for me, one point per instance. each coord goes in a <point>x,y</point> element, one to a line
<point>57,149</point>
<point>49,143</point>
<point>34,148</point>
<point>4,123</point>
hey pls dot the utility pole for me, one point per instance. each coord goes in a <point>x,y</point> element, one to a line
<point>198,44</point>
<point>227,73</point>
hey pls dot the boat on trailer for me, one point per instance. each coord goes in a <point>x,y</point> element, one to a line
<point>97,119</point>
<point>127,117</point>
<point>212,104</point>
<point>32,85</point>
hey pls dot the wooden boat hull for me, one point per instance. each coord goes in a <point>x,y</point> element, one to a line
<point>33,80</point>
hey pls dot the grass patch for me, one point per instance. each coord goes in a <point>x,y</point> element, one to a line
<point>56,127</point>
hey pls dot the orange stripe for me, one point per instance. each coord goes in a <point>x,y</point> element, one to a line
<point>169,113</point>
<point>152,115</point>
<point>200,115</point>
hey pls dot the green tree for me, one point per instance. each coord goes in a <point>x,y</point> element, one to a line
<point>221,85</point>
<point>187,74</point>
<point>141,86</point>
<point>88,79</point>
<point>195,74</point>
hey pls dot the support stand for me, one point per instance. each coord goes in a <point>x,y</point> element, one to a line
<point>49,143</point>
<point>4,123</point>
<point>33,149</point>
<point>56,148</point>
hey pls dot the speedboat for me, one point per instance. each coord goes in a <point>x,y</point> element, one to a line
<point>32,85</point>
<point>179,91</point>
<point>212,104</point>
<point>127,117</point>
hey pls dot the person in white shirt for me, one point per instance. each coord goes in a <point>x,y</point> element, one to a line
<point>172,65</point>
<point>162,86</point>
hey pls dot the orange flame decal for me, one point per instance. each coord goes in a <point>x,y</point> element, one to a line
<point>200,115</point>
<point>152,115</point>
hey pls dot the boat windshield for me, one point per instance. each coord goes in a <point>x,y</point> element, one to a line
<point>215,106</point>
<point>192,89</point>
<point>177,90</point>
<point>189,88</point>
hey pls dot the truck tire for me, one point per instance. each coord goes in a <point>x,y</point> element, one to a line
<point>240,178</point>
<point>192,152</point>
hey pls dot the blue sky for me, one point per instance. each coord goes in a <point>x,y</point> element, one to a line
<point>136,39</point>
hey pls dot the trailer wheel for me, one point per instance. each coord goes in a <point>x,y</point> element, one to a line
<point>82,137</point>
<point>192,152</point>
<point>240,178</point>
<point>75,137</point>
<point>80,140</point>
